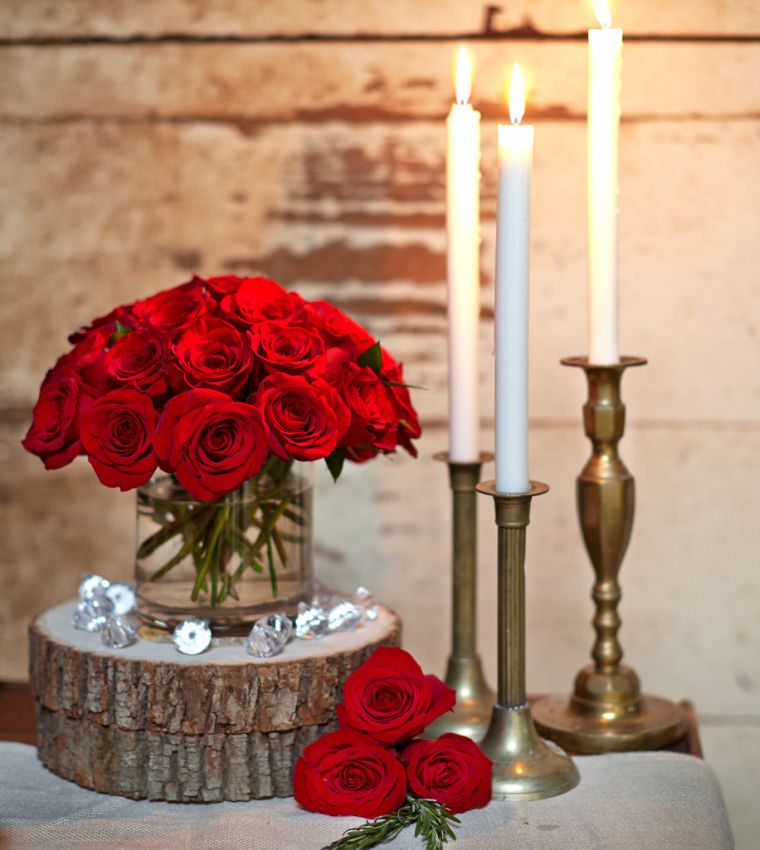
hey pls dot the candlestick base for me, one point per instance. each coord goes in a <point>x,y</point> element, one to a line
<point>649,723</point>
<point>525,767</point>
<point>472,712</point>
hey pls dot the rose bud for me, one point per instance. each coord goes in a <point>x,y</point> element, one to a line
<point>451,770</point>
<point>390,698</point>
<point>345,773</point>
<point>259,299</point>
<point>138,360</point>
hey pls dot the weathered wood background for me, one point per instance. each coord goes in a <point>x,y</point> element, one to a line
<point>144,141</point>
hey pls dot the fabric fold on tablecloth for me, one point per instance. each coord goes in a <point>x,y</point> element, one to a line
<point>625,801</point>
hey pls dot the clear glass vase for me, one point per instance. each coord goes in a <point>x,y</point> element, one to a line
<point>228,561</point>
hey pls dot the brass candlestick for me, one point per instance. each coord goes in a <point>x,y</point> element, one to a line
<point>524,766</point>
<point>464,672</point>
<point>607,711</point>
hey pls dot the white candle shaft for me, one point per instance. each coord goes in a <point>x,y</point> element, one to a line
<point>511,325</point>
<point>605,60</point>
<point>463,231</point>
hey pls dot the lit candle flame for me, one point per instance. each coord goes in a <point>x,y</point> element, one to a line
<point>463,77</point>
<point>603,14</point>
<point>516,95</point>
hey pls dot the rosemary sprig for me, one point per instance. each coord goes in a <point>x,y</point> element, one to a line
<point>433,824</point>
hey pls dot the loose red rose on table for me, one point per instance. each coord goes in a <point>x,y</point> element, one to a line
<point>390,698</point>
<point>54,433</point>
<point>117,435</point>
<point>212,443</point>
<point>212,353</point>
<point>304,419</point>
<point>450,770</point>
<point>346,773</point>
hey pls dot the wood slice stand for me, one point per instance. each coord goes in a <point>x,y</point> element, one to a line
<point>148,722</point>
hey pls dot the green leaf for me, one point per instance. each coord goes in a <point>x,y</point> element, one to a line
<point>121,330</point>
<point>372,357</point>
<point>399,384</point>
<point>335,463</point>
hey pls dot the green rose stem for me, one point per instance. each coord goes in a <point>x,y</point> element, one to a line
<point>433,825</point>
<point>212,533</point>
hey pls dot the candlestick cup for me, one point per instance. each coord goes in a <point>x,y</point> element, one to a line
<point>607,711</point>
<point>525,767</point>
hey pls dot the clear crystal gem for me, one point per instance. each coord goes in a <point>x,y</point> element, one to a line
<point>93,586</point>
<point>311,623</point>
<point>365,602</point>
<point>123,598</point>
<point>264,640</point>
<point>90,614</point>
<point>344,616</point>
<point>191,637</point>
<point>281,623</point>
<point>117,633</point>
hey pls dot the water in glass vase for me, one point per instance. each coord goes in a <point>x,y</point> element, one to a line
<point>228,561</point>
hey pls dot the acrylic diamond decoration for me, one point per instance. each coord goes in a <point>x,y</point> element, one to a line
<point>281,623</point>
<point>117,633</point>
<point>311,623</point>
<point>365,602</point>
<point>90,614</point>
<point>191,637</point>
<point>344,616</point>
<point>93,587</point>
<point>264,640</point>
<point>123,598</point>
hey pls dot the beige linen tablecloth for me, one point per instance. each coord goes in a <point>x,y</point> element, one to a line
<point>628,801</point>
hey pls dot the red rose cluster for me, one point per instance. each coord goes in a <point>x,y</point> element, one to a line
<point>369,765</point>
<point>206,379</point>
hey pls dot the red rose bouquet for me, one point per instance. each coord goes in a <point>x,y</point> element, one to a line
<point>221,383</point>
<point>371,767</point>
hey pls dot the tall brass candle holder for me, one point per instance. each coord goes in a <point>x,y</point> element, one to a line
<point>607,711</point>
<point>524,766</point>
<point>464,672</point>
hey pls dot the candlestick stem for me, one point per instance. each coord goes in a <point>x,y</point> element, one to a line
<point>607,711</point>
<point>524,766</point>
<point>464,672</point>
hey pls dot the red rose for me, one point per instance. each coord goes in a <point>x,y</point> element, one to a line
<point>373,415</point>
<point>452,771</point>
<point>87,359</point>
<point>138,360</point>
<point>224,284</point>
<point>390,698</point>
<point>212,353</point>
<point>283,347</point>
<point>338,328</point>
<point>345,773</point>
<point>54,433</point>
<point>117,434</point>
<point>259,299</point>
<point>174,309</point>
<point>211,443</point>
<point>304,419</point>
<point>409,423</point>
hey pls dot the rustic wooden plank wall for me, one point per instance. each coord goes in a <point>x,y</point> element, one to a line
<point>144,141</point>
